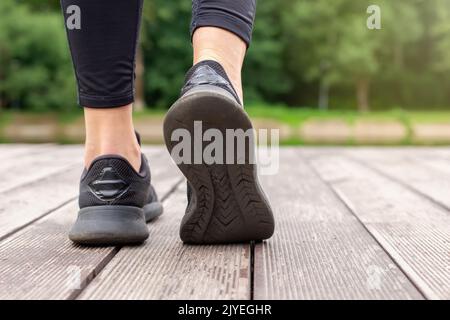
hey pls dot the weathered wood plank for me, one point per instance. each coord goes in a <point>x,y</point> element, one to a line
<point>24,204</point>
<point>426,171</point>
<point>8,151</point>
<point>24,169</point>
<point>320,250</point>
<point>440,164</point>
<point>39,261</point>
<point>166,269</point>
<point>413,230</point>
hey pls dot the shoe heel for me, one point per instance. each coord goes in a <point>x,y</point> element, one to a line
<point>109,225</point>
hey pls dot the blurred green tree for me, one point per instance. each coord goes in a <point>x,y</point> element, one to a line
<point>441,34</point>
<point>302,52</point>
<point>34,59</point>
<point>333,45</point>
<point>264,76</point>
<point>168,53</point>
<point>166,49</point>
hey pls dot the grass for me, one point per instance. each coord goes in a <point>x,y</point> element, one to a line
<point>287,115</point>
<point>292,117</point>
<point>296,116</point>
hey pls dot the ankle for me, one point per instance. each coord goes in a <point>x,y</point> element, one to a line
<point>128,150</point>
<point>233,73</point>
<point>111,131</point>
<point>223,47</point>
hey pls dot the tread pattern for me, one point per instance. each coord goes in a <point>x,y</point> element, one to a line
<point>244,185</point>
<point>227,216</point>
<point>199,211</point>
<point>226,207</point>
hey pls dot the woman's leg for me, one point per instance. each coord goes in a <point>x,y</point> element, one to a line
<point>116,197</point>
<point>103,35</point>
<point>226,202</point>
<point>211,43</point>
<point>221,31</point>
<point>111,131</point>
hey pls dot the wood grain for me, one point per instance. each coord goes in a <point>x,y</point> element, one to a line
<point>8,151</point>
<point>23,205</point>
<point>413,230</point>
<point>366,223</point>
<point>427,172</point>
<point>166,269</point>
<point>320,250</point>
<point>18,171</point>
<point>39,261</point>
<point>26,203</point>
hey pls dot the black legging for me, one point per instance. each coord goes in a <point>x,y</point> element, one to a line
<point>103,35</point>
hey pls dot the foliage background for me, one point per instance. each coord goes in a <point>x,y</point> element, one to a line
<point>301,50</point>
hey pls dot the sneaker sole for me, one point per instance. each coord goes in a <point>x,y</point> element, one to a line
<point>228,204</point>
<point>152,211</point>
<point>109,225</point>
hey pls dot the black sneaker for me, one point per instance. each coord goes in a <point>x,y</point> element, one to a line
<point>115,203</point>
<point>225,201</point>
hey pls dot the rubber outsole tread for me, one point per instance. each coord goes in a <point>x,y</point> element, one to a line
<point>227,204</point>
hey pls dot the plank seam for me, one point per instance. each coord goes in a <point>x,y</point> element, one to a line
<point>252,270</point>
<point>352,212</point>
<point>93,274</point>
<point>12,232</point>
<point>62,204</point>
<point>399,182</point>
<point>26,183</point>
<point>423,163</point>
<point>172,190</point>
<point>105,261</point>
<point>158,154</point>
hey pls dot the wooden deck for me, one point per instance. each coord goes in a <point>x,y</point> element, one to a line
<point>361,223</point>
